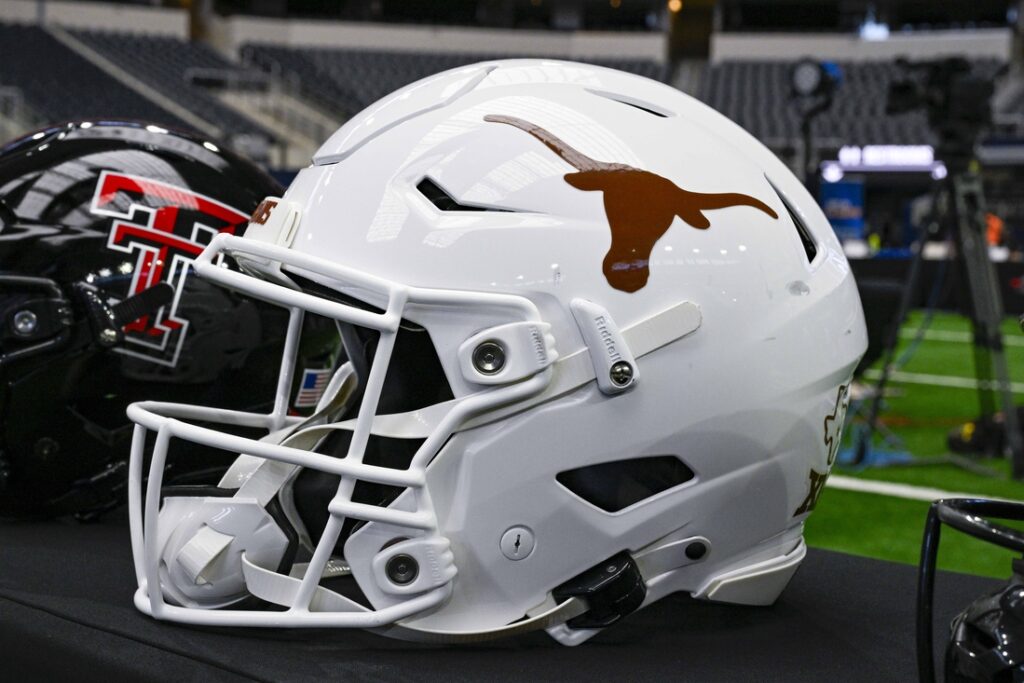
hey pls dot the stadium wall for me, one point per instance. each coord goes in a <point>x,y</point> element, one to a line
<point>99,16</point>
<point>975,44</point>
<point>229,33</point>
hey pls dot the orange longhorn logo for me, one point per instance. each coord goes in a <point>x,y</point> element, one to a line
<point>640,205</point>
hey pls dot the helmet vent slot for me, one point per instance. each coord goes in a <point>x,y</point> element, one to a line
<point>642,108</point>
<point>647,107</point>
<point>810,247</point>
<point>615,485</point>
<point>437,196</point>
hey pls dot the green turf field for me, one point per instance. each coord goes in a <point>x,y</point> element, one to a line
<point>921,413</point>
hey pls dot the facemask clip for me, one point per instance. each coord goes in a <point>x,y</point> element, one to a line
<point>614,365</point>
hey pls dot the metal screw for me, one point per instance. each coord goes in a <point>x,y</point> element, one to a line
<point>25,322</point>
<point>108,335</point>
<point>621,373</point>
<point>402,569</point>
<point>489,357</point>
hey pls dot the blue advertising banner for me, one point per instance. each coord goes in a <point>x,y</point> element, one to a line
<point>843,204</point>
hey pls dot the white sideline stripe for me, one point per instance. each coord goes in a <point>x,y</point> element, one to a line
<point>959,337</point>
<point>939,380</point>
<point>907,491</point>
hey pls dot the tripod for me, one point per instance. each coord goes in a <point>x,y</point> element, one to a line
<point>958,203</point>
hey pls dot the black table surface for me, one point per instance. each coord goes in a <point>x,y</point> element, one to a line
<point>66,610</point>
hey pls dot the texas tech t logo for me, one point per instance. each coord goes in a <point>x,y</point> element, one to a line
<point>163,228</point>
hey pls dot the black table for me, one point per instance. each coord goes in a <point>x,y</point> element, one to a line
<point>66,610</point>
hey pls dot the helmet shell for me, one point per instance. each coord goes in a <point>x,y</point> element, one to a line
<point>548,169</point>
<point>119,208</point>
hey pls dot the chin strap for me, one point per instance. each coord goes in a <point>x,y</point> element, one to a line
<point>280,589</point>
<point>550,618</point>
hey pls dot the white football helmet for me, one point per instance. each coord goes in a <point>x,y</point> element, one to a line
<point>598,340</point>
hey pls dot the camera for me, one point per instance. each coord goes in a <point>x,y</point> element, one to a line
<point>956,100</point>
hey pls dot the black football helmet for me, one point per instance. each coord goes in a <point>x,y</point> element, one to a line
<point>99,223</point>
<point>986,640</point>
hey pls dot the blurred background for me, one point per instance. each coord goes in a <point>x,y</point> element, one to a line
<point>876,104</point>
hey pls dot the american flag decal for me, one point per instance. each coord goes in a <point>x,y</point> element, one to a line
<point>312,387</point>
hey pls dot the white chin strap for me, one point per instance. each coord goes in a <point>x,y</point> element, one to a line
<point>260,480</point>
<point>279,589</point>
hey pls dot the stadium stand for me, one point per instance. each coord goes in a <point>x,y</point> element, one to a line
<point>341,81</point>
<point>177,67</point>
<point>753,93</point>
<point>345,81</point>
<point>756,95</point>
<point>59,85</point>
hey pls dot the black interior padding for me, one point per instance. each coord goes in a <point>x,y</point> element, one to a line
<point>313,489</point>
<point>613,486</point>
<point>415,379</point>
